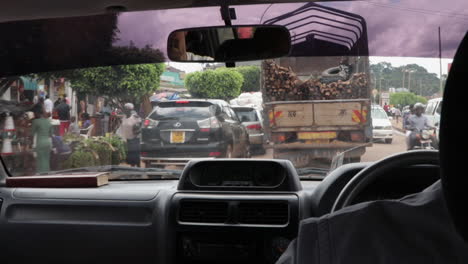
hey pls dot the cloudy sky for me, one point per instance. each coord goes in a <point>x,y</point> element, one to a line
<point>395,29</point>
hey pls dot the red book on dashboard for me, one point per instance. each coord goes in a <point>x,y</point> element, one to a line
<point>60,181</point>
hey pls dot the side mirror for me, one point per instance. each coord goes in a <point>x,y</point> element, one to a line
<point>228,43</point>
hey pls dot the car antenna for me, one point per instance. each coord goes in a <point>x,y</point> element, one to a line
<point>228,14</point>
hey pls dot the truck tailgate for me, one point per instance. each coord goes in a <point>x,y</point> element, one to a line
<point>332,113</point>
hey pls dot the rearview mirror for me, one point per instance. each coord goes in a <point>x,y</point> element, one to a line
<point>228,43</point>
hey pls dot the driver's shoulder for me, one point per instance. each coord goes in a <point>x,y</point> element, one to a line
<point>380,226</point>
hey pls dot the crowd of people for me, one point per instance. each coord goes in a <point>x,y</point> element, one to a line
<point>393,111</point>
<point>46,135</point>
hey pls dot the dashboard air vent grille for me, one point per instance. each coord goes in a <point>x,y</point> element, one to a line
<point>264,213</point>
<point>203,212</point>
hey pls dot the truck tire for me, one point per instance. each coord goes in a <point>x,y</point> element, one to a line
<point>228,154</point>
<point>388,140</point>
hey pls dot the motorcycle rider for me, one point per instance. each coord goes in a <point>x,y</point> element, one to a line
<point>417,123</point>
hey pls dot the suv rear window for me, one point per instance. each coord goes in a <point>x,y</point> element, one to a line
<point>246,115</point>
<point>195,110</point>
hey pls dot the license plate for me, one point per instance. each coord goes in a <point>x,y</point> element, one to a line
<point>316,135</point>
<point>177,137</point>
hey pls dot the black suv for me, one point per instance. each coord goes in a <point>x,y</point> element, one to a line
<point>193,128</point>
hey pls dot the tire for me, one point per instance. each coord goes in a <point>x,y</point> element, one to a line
<point>228,154</point>
<point>261,151</point>
<point>388,140</point>
<point>247,152</point>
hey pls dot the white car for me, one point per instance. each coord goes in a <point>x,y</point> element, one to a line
<point>381,125</point>
<point>433,111</point>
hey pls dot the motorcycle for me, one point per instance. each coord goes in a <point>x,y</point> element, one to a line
<point>422,139</point>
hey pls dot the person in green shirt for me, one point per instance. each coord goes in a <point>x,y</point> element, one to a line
<point>42,131</point>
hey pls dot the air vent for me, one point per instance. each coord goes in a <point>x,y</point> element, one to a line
<point>264,213</point>
<point>203,212</point>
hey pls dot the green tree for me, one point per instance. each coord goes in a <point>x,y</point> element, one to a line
<point>251,76</point>
<point>411,76</point>
<point>406,98</point>
<point>121,84</point>
<point>221,83</point>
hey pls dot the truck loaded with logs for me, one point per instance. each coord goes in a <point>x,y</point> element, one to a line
<point>318,105</point>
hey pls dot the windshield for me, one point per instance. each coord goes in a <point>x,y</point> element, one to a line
<point>182,110</point>
<point>108,96</point>
<point>379,114</point>
<point>246,115</point>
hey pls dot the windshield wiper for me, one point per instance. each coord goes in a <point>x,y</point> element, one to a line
<point>312,173</point>
<point>126,173</point>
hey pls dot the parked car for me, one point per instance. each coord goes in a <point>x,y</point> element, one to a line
<point>251,118</point>
<point>381,125</point>
<point>193,128</point>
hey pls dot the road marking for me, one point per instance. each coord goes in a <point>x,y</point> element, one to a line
<point>399,133</point>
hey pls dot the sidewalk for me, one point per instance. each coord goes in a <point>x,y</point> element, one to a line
<point>398,126</point>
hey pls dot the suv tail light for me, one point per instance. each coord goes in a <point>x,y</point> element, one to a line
<point>254,127</point>
<point>150,123</point>
<point>206,124</point>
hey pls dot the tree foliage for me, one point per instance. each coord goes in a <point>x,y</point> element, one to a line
<point>123,83</point>
<point>251,76</point>
<point>419,81</point>
<point>221,83</point>
<point>406,98</point>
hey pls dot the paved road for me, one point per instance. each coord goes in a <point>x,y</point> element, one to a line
<point>378,150</point>
<point>381,150</point>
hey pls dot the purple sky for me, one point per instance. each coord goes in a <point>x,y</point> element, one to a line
<point>395,28</point>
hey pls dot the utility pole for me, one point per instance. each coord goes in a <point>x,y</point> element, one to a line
<point>403,81</point>
<point>409,79</point>
<point>440,63</point>
<point>420,87</point>
<point>380,84</point>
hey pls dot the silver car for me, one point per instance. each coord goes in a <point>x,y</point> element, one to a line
<point>251,118</point>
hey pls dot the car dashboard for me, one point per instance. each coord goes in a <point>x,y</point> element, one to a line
<point>220,211</point>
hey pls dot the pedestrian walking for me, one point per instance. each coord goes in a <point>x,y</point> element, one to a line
<point>48,106</point>
<point>397,114</point>
<point>130,129</point>
<point>63,111</point>
<point>386,107</point>
<point>42,132</point>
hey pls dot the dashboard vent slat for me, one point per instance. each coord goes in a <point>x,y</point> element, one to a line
<point>203,212</point>
<point>264,213</point>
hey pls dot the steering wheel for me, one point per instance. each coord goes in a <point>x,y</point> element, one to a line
<point>380,169</point>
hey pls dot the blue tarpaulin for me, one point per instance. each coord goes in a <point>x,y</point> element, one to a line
<point>29,83</point>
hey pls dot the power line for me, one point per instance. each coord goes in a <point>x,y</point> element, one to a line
<point>264,12</point>
<point>420,11</point>
<point>407,8</point>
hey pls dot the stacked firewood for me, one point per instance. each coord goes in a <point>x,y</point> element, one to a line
<point>282,84</point>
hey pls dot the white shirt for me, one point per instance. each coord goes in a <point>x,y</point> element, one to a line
<point>48,105</point>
